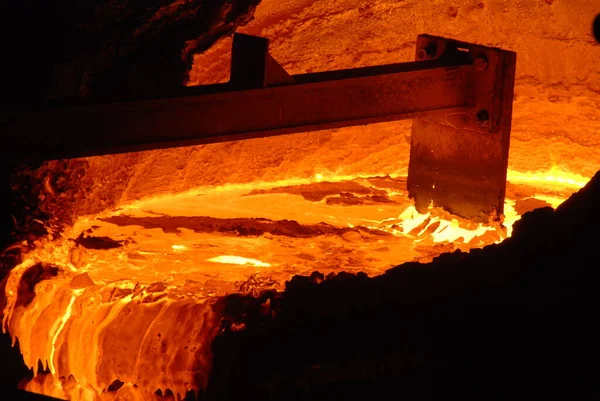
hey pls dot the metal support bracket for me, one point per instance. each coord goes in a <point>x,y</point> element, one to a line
<point>459,160</point>
<point>252,67</point>
<point>459,94</point>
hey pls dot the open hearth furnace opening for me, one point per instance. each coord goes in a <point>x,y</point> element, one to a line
<point>127,290</point>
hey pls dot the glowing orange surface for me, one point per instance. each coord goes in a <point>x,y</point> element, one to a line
<point>145,309</point>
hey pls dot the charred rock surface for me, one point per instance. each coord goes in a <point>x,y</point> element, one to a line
<point>508,321</point>
<point>12,369</point>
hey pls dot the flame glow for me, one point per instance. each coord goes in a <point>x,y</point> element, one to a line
<point>446,231</point>
<point>554,176</point>
<point>238,260</point>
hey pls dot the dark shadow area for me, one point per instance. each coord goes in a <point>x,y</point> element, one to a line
<point>34,35</point>
<point>12,367</point>
<point>73,51</point>
<point>19,395</point>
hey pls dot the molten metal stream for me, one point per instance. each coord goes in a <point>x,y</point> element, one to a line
<point>125,302</point>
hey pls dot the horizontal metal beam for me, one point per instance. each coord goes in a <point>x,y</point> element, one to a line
<point>313,102</point>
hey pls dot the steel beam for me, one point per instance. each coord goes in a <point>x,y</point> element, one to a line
<point>224,112</point>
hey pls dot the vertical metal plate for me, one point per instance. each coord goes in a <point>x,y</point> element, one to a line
<point>252,67</point>
<point>459,161</point>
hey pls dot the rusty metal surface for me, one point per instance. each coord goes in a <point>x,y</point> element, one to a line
<point>459,161</point>
<point>317,101</point>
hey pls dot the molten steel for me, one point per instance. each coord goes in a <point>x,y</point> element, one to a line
<point>131,295</point>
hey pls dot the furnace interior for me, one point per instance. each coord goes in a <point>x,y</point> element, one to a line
<point>144,245</point>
